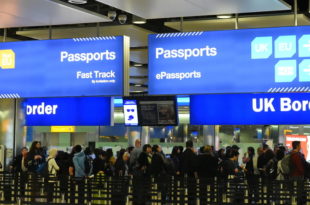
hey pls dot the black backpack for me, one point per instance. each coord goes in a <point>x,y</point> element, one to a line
<point>88,164</point>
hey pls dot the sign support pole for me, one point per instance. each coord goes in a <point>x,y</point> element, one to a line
<point>295,13</point>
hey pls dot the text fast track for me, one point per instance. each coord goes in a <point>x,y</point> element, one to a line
<point>286,105</point>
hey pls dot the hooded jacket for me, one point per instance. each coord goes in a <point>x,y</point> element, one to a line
<point>79,166</point>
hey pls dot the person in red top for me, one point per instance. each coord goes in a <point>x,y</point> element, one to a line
<point>298,171</point>
<point>297,162</point>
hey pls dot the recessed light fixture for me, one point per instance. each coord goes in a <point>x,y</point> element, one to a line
<point>138,65</point>
<point>137,85</point>
<point>77,1</point>
<point>224,16</point>
<point>122,18</point>
<point>138,20</point>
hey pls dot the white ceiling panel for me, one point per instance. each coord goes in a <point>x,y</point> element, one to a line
<point>249,22</point>
<point>153,9</point>
<point>24,13</point>
<point>138,36</point>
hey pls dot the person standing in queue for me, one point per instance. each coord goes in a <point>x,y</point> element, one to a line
<point>79,170</point>
<point>53,168</point>
<point>35,163</point>
<point>134,155</point>
<point>19,168</point>
<point>207,171</point>
<point>189,169</point>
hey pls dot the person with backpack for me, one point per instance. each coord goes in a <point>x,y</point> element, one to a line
<point>88,163</point>
<point>79,170</point>
<point>52,168</point>
<point>280,173</point>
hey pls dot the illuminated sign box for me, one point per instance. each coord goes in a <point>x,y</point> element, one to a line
<point>62,128</point>
<point>236,61</point>
<point>250,109</point>
<point>66,67</point>
<point>81,111</point>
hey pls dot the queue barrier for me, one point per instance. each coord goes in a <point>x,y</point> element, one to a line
<point>32,189</point>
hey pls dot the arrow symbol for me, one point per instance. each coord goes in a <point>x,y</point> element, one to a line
<point>307,45</point>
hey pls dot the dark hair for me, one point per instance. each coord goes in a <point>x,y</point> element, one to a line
<point>77,148</point>
<point>109,153</point>
<point>129,149</point>
<point>295,144</point>
<point>154,148</point>
<point>87,151</point>
<point>234,153</point>
<point>145,147</point>
<point>202,150</point>
<point>269,154</point>
<point>221,153</point>
<point>121,153</point>
<point>181,148</point>
<point>33,146</point>
<point>252,151</point>
<point>189,144</point>
<point>280,154</point>
<point>265,146</point>
<point>175,151</point>
<point>23,148</point>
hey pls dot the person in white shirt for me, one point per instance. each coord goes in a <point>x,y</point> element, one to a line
<point>52,171</point>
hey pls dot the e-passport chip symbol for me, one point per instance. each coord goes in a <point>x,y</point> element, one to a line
<point>7,59</point>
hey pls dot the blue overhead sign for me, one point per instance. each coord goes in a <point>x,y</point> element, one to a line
<point>237,61</point>
<point>66,67</point>
<point>250,109</point>
<point>82,111</point>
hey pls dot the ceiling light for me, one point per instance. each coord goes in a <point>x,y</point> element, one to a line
<point>138,20</point>
<point>77,1</point>
<point>137,85</point>
<point>225,16</point>
<point>138,65</point>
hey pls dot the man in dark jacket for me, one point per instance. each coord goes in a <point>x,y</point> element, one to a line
<point>189,169</point>
<point>19,163</point>
<point>189,160</point>
<point>19,166</point>
<point>207,170</point>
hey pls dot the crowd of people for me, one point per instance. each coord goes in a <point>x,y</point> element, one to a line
<point>205,163</point>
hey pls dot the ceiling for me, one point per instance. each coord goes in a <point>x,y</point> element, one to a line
<point>22,13</point>
<point>154,9</point>
<point>30,19</point>
<point>243,23</point>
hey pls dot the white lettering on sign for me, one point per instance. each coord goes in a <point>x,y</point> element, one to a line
<point>178,76</point>
<point>286,105</point>
<point>185,53</point>
<point>264,104</point>
<point>87,57</point>
<point>41,109</point>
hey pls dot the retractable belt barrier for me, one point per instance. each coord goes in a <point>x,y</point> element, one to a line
<point>32,189</point>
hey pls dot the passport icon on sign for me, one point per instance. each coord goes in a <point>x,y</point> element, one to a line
<point>7,59</point>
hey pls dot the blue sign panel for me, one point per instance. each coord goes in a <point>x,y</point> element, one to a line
<point>250,109</point>
<point>66,67</point>
<point>83,111</point>
<point>237,61</point>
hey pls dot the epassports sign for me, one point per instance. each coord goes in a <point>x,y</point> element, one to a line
<point>250,109</point>
<point>235,61</point>
<point>80,111</point>
<point>65,67</point>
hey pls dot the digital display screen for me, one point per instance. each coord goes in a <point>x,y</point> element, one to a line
<point>131,112</point>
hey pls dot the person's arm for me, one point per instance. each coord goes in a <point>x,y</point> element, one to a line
<point>54,164</point>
